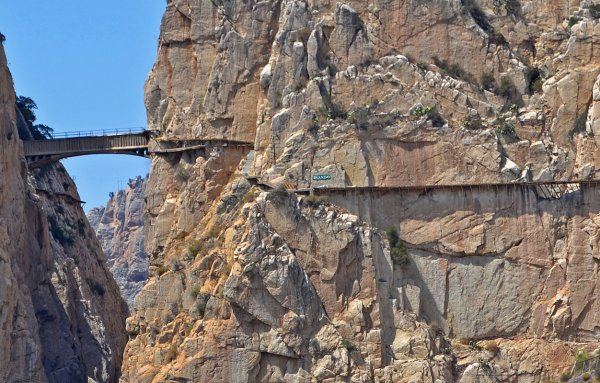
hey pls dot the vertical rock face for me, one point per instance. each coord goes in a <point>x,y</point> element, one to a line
<point>119,228</point>
<point>61,315</point>
<point>380,93</point>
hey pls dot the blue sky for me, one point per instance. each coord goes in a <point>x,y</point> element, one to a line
<point>84,63</point>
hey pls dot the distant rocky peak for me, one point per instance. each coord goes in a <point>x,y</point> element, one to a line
<point>119,228</point>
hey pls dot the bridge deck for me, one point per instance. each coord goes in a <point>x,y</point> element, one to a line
<point>85,144</point>
<point>138,143</point>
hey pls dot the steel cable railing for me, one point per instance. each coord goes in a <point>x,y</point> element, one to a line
<point>99,132</point>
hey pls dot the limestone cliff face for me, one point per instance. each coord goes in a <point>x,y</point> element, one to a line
<point>61,316</point>
<point>119,228</point>
<point>370,94</point>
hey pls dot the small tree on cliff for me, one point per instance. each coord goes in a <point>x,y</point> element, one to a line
<point>26,106</point>
<point>397,250</point>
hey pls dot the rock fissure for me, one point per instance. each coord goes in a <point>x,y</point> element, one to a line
<point>481,267</point>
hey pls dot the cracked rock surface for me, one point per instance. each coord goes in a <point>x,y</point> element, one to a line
<point>250,283</point>
<point>62,318</point>
<point>119,228</point>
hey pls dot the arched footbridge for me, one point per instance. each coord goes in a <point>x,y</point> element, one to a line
<point>136,142</point>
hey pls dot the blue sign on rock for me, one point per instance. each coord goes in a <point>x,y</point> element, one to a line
<point>322,177</point>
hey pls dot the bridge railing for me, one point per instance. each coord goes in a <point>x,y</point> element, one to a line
<point>100,132</point>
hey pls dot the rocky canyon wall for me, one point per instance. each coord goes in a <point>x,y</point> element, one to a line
<point>119,228</point>
<point>61,315</point>
<point>255,283</point>
<point>495,263</point>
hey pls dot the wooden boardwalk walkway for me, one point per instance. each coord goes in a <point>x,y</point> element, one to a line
<point>544,189</point>
<point>137,142</point>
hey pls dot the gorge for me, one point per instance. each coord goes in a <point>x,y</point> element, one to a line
<point>415,201</point>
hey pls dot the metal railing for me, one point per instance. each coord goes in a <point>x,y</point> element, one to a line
<point>547,189</point>
<point>99,132</point>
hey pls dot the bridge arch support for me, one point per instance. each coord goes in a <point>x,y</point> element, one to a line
<point>40,152</point>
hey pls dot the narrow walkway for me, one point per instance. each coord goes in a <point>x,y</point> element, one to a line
<point>136,142</point>
<point>545,190</point>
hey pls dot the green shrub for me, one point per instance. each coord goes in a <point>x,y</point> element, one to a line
<point>63,235</point>
<point>81,226</point>
<point>488,82</point>
<point>96,287</point>
<point>398,252</point>
<point>582,356</point>
<point>2,38</point>
<point>26,107</point>
<point>400,255</point>
<point>565,376</point>
<point>360,117</point>
<point>348,345</point>
<point>392,236</point>
<point>431,113</point>
<point>335,110</point>
<point>536,82</point>
<point>594,10</point>
<point>161,270</point>
<point>330,109</point>
<point>442,64</point>
<point>586,376</point>
<point>573,20</point>
<point>423,65</point>
<point>250,195</point>
<point>201,302</point>
<point>497,38</point>
<point>456,71</point>
<point>453,70</point>
<point>507,88</point>
<point>472,123</point>
<point>194,247</point>
<point>505,128</point>
<point>421,111</point>
<point>578,125</point>
<point>473,346</point>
